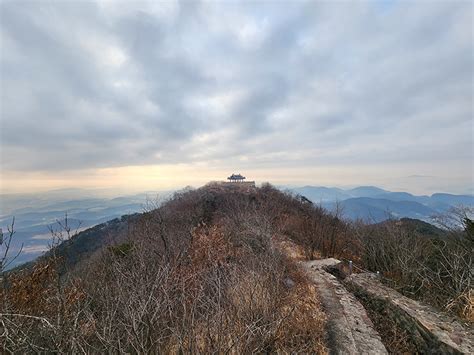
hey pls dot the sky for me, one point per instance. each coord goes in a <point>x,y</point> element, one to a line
<point>141,95</point>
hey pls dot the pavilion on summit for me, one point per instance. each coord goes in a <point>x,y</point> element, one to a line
<point>236,178</point>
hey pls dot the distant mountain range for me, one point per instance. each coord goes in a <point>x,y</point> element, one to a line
<point>374,204</point>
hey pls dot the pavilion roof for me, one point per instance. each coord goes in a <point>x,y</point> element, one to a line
<point>236,177</point>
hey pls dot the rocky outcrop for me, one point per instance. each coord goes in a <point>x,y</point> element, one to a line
<point>350,331</point>
<point>431,331</point>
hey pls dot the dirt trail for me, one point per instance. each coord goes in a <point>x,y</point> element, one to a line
<point>350,330</point>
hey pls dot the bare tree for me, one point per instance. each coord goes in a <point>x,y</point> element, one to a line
<point>5,245</point>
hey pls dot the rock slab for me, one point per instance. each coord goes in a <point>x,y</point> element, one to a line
<point>433,331</point>
<point>349,328</point>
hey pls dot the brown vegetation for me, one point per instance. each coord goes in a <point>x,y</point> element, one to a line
<point>199,274</point>
<point>437,270</point>
<point>208,271</point>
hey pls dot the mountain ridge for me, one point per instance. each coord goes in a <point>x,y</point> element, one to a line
<point>376,204</point>
<point>35,213</point>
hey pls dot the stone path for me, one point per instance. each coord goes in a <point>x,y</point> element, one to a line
<point>349,328</point>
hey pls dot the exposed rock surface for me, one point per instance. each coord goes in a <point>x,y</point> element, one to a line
<point>433,331</point>
<point>350,329</point>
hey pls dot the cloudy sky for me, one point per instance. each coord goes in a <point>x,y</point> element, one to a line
<point>149,95</point>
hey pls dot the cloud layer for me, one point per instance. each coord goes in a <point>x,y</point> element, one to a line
<point>88,85</point>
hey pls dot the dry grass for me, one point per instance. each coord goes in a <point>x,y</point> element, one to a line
<point>465,305</point>
<point>395,339</point>
<point>305,332</point>
<point>201,274</point>
<point>289,247</point>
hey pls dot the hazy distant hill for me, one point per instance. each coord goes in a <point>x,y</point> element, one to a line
<point>376,210</point>
<point>85,243</point>
<point>366,191</point>
<point>453,199</point>
<point>374,204</point>
<point>322,194</point>
<point>34,213</point>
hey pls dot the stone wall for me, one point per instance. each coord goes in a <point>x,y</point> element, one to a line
<point>432,331</point>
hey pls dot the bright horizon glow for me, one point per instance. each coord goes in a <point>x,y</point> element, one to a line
<point>134,179</point>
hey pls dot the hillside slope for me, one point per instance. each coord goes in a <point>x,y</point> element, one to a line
<point>208,271</point>
<point>200,273</point>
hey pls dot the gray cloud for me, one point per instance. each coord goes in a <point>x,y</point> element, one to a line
<point>88,85</point>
